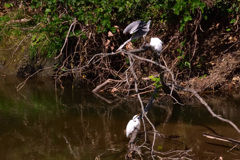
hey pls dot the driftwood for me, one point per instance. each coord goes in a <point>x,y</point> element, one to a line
<point>221,138</point>
<point>105,83</point>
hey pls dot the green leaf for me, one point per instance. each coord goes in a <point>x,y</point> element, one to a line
<point>228,29</point>
<point>187,18</point>
<point>233,21</point>
<point>47,10</point>
<point>113,29</point>
<point>34,37</point>
<point>187,64</point>
<point>176,10</point>
<point>183,43</point>
<point>151,77</point>
<point>120,9</point>
<point>127,61</point>
<point>205,17</point>
<point>8,5</point>
<point>182,27</point>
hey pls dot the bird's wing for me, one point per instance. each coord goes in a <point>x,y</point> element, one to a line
<point>132,27</point>
<point>144,26</point>
<point>138,34</point>
<point>130,127</point>
<point>142,30</point>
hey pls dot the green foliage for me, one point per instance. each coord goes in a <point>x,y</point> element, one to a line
<point>156,81</point>
<point>8,30</point>
<point>8,5</point>
<point>234,11</point>
<point>51,18</point>
<point>202,76</point>
<point>183,60</point>
<point>127,61</point>
<point>186,9</point>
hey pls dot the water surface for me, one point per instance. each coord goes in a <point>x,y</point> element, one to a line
<point>40,122</point>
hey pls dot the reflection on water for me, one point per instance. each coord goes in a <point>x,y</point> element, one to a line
<point>42,123</point>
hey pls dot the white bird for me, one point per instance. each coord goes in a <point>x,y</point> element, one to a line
<point>156,45</point>
<point>134,123</point>
<point>138,29</point>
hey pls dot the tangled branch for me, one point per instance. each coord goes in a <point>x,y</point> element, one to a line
<point>169,87</point>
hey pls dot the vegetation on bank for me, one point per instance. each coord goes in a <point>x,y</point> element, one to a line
<point>195,32</point>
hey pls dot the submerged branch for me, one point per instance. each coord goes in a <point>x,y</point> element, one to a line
<point>221,138</point>
<point>210,110</point>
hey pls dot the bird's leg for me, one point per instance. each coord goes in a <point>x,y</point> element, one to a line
<point>144,42</point>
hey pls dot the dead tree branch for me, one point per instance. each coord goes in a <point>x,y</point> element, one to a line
<point>105,83</point>
<point>210,110</point>
<point>66,39</point>
<point>221,138</point>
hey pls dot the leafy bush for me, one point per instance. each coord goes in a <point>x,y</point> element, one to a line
<point>51,18</point>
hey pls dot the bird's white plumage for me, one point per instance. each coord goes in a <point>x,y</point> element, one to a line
<point>156,44</point>
<point>132,124</point>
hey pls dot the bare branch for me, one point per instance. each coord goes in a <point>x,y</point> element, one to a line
<point>221,138</point>
<point>105,83</point>
<point>66,39</point>
<point>21,85</point>
<point>210,110</point>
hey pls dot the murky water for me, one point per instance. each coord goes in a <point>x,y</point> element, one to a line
<point>41,123</point>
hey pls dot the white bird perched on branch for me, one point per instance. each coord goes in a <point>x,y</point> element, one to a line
<point>156,45</point>
<point>133,124</point>
<point>138,28</point>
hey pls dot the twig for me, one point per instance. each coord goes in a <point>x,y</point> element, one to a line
<point>21,85</point>
<point>66,39</point>
<point>70,147</point>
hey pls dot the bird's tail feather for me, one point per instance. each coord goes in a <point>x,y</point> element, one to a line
<point>148,23</point>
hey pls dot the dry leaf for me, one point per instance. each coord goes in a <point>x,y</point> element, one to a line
<point>110,34</point>
<point>114,90</point>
